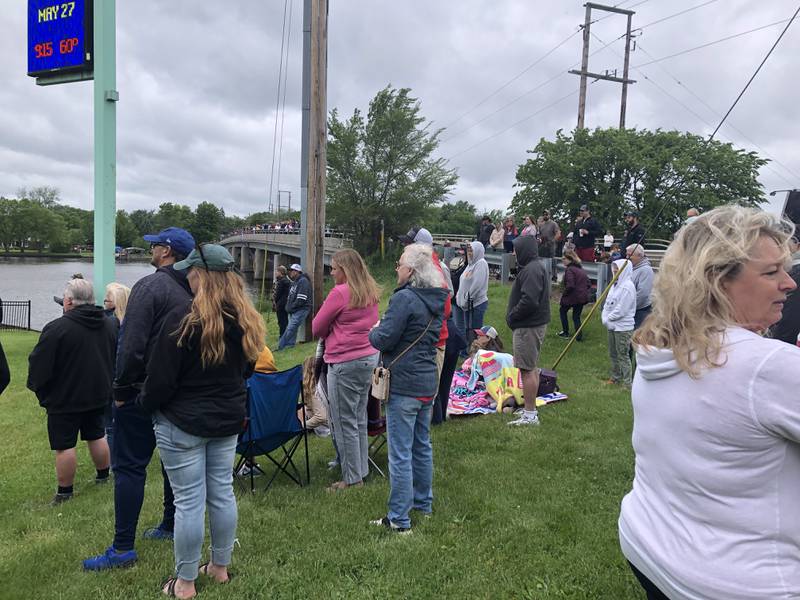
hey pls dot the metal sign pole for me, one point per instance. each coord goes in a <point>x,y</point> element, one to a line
<point>105,144</point>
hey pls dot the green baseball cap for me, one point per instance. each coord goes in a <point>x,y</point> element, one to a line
<point>211,257</point>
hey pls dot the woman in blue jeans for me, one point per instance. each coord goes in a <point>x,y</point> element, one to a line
<point>406,338</point>
<point>195,388</point>
<point>472,298</point>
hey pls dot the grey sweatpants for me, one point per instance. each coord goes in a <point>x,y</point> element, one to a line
<point>348,390</point>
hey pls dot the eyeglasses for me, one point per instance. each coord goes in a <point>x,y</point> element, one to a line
<point>154,244</point>
<point>199,248</point>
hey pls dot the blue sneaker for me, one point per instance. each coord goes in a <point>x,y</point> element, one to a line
<point>110,559</point>
<point>157,533</point>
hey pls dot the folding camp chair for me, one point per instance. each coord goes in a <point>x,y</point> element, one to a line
<point>273,428</point>
<point>376,429</point>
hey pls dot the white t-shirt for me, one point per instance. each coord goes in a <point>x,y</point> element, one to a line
<point>608,241</point>
<point>715,507</point>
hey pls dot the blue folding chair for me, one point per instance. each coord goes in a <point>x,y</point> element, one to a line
<point>273,428</point>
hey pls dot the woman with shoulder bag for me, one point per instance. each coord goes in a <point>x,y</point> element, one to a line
<point>406,337</point>
<point>344,322</point>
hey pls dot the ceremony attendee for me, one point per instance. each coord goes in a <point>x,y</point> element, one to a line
<point>343,322</point>
<point>530,227</point>
<point>456,343</point>
<point>788,328</point>
<point>280,295</point>
<point>70,371</point>
<point>406,337</point>
<point>485,230</point>
<point>608,241</point>
<point>634,233</point>
<point>691,215</point>
<point>585,233</point>
<point>472,298</point>
<point>576,293</point>
<point>549,233</point>
<point>5,372</point>
<point>527,316</point>
<point>716,422</point>
<point>115,304</point>
<point>510,233</point>
<point>496,238</point>
<point>298,304</point>
<point>151,299</point>
<point>642,277</point>
<point>617,317</point>
<point>195,390</point>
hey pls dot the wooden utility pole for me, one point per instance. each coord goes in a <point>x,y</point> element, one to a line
<point>314,158</point>
<point>585,73</point>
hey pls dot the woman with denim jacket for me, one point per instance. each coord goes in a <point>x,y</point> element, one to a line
<point>406,337</point>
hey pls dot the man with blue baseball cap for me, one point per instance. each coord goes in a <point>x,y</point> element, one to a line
<point>151,299</point>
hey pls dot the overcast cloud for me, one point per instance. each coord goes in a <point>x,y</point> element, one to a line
<point>198,82</point>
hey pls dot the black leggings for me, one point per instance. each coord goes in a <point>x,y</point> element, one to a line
<point>576,316</point>
<point>653,593</point>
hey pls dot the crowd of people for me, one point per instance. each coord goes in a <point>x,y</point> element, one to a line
<point>715,434</point>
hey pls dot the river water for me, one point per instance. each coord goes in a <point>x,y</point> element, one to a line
<point>39,279</point>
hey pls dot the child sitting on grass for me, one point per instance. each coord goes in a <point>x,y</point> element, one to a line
<point>487,360</point>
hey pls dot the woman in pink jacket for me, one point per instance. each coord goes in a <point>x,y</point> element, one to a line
<point>344,322</point>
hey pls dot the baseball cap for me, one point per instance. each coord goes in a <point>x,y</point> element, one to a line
<point>584,207</point>
<point>176,238</point>
<point>416,235</point>
<point>296,267</point>
<point>630,213</point>
<point>211,257</point>
<point>488,331</point>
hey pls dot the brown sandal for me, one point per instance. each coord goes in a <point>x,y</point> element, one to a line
<point>341,485</point>
<point>204,570</point>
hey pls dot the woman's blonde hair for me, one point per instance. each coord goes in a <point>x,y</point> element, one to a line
<point>572,257</point>
<point>119,296</point>
<point>691,308</point>
<point>363,289</point>
<point>220,295</point>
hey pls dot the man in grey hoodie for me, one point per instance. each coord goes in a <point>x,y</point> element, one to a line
<point>528,315</point>
<point>643,281</point>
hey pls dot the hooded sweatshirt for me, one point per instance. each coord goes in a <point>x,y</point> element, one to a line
<point>713,509</point>
<point>72,366</point>
<point>409,312</point>
<point>642,278</point>
<point>474,281</point>
<point>620,303</point>
<point>529,300</point>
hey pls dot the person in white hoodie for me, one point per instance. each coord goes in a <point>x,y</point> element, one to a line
<point>618,312</point>
<point>713,511</point>
<point>472,297</point>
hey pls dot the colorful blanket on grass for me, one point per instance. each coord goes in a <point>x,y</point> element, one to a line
<point>466,401</point>
<point>503,380</point>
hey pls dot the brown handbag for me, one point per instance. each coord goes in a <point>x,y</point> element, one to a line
<point>382,376</point>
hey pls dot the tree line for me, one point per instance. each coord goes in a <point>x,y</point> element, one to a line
<point>383,174</point>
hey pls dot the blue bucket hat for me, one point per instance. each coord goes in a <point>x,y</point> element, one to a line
<point>180,240</point>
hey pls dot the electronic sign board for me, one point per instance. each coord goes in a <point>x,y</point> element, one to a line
<point>59,36</point>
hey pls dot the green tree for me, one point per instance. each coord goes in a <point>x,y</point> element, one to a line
<point>126,233</point>
<point>459,218</point>
<point>144,221</point>
<point>209,222</point>
<point>381,168</point>
<point>8,211</point>
<point>616,170</point>
<point>174,215</point>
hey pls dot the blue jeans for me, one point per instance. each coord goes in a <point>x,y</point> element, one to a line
<point>201,472</point>
<point>134,443</point>
<point>469,318</point>
<point>289,336</point>
<point>408,423</point>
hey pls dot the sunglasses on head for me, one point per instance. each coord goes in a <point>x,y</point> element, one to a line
<point>199,248</point>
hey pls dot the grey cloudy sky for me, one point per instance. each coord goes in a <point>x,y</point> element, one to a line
<point>198,84</point>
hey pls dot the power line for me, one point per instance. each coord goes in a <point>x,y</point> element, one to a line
<point>513,79</point>
<point>677,14</point>
<point>706,45</point>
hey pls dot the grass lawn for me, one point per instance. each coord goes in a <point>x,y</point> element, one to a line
<point>518,513</point>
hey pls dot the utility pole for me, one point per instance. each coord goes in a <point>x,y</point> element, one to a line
<point>314,158</point>
<point>585,73</point>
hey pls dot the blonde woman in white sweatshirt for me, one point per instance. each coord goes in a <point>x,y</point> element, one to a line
<point>618,312</point>
<point>716,420</point>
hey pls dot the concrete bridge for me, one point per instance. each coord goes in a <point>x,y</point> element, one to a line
<point>252,250</point>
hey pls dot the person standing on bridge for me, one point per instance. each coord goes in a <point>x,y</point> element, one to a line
<point>298,305</point>
<point>585,234</point>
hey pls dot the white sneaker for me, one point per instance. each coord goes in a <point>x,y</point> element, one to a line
<point>244,470</point>
<point>390,526</point>
<point>525,420</point>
